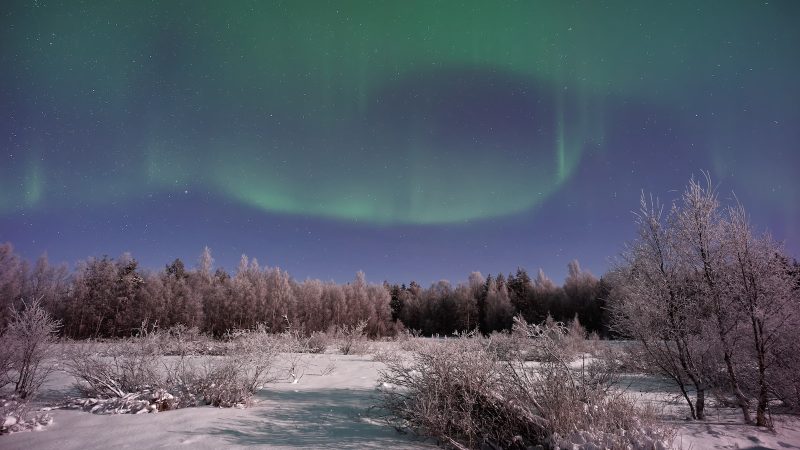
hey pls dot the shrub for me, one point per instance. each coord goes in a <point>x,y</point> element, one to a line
<point>454,392</point>
<point>508,346</point>
<point>351,339</point>
<point>410,340</point>
<point>115,369</point>
<point>298,341</point>
<point>126,375</point>
<point>461,393</point>
<point>233,379</point>
<point>317,342</point>
<point>580,405</point>
<point>180,340</point>
<point>575,337</point>
<point>26,345</point>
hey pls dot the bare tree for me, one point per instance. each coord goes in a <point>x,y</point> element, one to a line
<point>654,306</point>
<point>704,252</point>
<point>763,289</point>
<point>704,295</point>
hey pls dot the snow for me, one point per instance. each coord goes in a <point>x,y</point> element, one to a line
<point>728,433</point>
<point>723,428</point>
<point>331,409</point>
<point>319,411</point>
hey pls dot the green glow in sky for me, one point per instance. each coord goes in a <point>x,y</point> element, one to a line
<point>343,110</point>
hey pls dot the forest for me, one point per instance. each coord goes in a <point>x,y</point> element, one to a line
<point>113,297</point>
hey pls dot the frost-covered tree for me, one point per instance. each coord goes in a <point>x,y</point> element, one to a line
<point>471,313</point>
<point>206,263</point>
<point>11,281</point>
<point>704,252</point>
<point>543,282</point>
<point>47,283</point>
<point>654,306</point>
<point>357,299</point>
<point>93,300</point>
<point>712,304</point>
<point>545,298</point>
<point>310,309</point>
<point>764,292</point>
<point>379,317</point>
<point>176,293</point>
<point>499,311</point>
<point>336,304</point>
<point>281,298</point>
<point>466,308</point>
<point>581,290</point>
<point>519,290</point>
<point>218,304</point>
<point>248,305</point>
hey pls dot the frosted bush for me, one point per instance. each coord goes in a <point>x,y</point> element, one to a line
<point>454,391</point>
<point>146,401</point>
<point>180,340</point>
<point>507,346</point>
<point>410,340</point>
<point>463,394</point>
<point>297,340</point>
<point>115,369</point>
<point>131,376</point>
<point>317,342</point>
<point>351,339</point>
<point>27,347</point>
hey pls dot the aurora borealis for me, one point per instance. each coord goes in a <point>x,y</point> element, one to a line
<point>410,139</point>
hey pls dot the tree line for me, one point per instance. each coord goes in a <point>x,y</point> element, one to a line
<point>490,303</point>
<point>114,297</point>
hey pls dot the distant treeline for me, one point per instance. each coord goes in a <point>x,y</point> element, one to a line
<point>490,304</point>
<point>107,297</point>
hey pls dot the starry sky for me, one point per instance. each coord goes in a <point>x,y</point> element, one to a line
<point>409,139</point>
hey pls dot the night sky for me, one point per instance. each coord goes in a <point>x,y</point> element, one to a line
<point>409,139</point>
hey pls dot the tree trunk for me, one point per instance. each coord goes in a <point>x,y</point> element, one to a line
<point>761,411</point>
<point>688,401</point>
<point>700,404</point>
<point>741,399</point>
<point>758,337</point>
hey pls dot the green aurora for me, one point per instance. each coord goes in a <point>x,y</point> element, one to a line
<point>357,111</point>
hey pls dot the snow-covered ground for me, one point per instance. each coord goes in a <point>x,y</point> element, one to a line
<point>723,428</point>
<point>330,407</point>
<point>321,410</point>
<point>726,431</point>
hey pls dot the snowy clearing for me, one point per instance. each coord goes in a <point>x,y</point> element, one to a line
<point>330,407</point>
<point>319,411</point>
